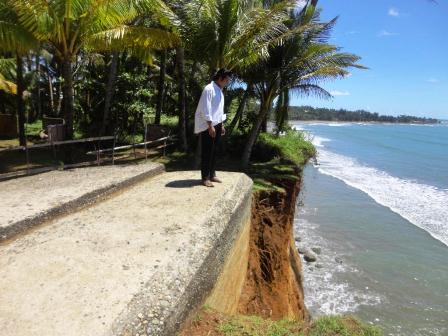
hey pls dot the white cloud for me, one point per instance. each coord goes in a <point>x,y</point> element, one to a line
<point>393,12</point>
<point>339,93</point>
<point>432,80</point>
<point>385,33</point>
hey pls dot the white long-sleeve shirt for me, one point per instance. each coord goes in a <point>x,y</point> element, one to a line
<point>210,108</point>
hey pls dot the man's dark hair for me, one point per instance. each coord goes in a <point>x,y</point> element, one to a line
<point>221,74</point>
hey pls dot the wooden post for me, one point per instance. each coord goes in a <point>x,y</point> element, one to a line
<point>98,153</point>
<point>146,133</point>
<point>113,149</point>
<point>27,158</point>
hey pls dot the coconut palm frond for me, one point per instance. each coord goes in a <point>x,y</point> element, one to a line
<point>8,66</point>
<point>13,36</point>
<point>132,37</point>
<point>7,86</point>
<point>310,90</point>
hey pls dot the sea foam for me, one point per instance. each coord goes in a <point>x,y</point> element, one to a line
<point>325,293</point>
<point>423,205</point>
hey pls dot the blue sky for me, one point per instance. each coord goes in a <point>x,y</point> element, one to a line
<point>405,45</point>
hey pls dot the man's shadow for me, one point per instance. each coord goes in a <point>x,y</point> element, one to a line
<point>189,183</point>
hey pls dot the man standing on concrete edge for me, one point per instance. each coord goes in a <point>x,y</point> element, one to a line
<point>208,123</point>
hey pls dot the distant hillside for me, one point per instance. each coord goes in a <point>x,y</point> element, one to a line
<point>325,114</point>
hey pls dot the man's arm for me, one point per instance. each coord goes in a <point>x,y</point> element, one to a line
<point>207,108</point>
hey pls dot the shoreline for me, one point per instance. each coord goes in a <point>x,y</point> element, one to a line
<point>360,122</point>
<point>379,237</point>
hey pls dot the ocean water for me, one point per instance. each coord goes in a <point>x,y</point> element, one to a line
<point>376,203</point>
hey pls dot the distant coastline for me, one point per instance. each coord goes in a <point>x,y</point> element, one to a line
<point>316,121</point>
<point>312,114</point>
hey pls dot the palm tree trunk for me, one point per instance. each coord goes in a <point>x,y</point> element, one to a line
<point>68,96</point>
<point>161,88</point>
<point>50,88</point>
<point>264,124</point>
<point>239,111</point>
<point>2,103</point>
<point>20,102</point>
<point>180,62</point>
<point>266,102</point>
<point>110,87</point>
<point>39,95</point>
<point>281,113</point>
<point>253,137</point>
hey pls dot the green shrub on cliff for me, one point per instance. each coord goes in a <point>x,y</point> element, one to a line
<point>343,326</point>
<point>278,158</point>
<point>257,326</point>
<point>323,326</point>
<point>292,146</point>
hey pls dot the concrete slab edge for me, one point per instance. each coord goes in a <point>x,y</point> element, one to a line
<point>235,211</point>
<point>17,228</point>
<point>205,278</point>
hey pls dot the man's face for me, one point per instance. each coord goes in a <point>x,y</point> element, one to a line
<point>223,82</point>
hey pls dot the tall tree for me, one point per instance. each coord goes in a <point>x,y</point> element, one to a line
<point>180,65</point>
<point>234,34</point>
<point>110,86</point>
<point>16,38</point>
<point>299,64</point>
<point>68,26</point>
<point>161,87</point>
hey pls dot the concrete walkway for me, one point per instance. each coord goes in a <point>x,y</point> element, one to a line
<point>28,201</point>
<point>136,263</point>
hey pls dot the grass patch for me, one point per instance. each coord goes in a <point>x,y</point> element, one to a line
<point>256,326</point>
<point>343,326</point>
<point>324,326</point>
<point>279,158</point>
<point>33,129</point>
<point>170,121</point>
<point>292,146</point>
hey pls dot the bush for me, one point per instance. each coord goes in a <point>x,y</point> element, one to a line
<point>292,146</point>
<point>323,326</point>
<point>343,326</point>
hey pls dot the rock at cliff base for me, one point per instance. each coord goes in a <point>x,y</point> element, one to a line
<point>302,249</point>
<point>310,257</point>
<point>338,260</point>
<point>316,250</point>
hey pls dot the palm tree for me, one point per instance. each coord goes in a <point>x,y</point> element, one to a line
<point>69,26</point>
<point>234,34</point>
<point>180,65</point>
<point>16,38</point>
<point>161,87</point>
<point>240,110</point>
<point>298,65</point>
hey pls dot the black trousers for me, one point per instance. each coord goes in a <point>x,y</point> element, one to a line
<point>208,152</point>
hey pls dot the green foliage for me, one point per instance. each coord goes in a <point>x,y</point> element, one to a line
<point>169,121</point>
<point>323,326</point>
<point>274,50</point>
<point>343,326</point>
<point>234,34</point>
<point>256,326</point>
<point>313,113</point>
<point>34,128</point>
<point>292,146</point>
